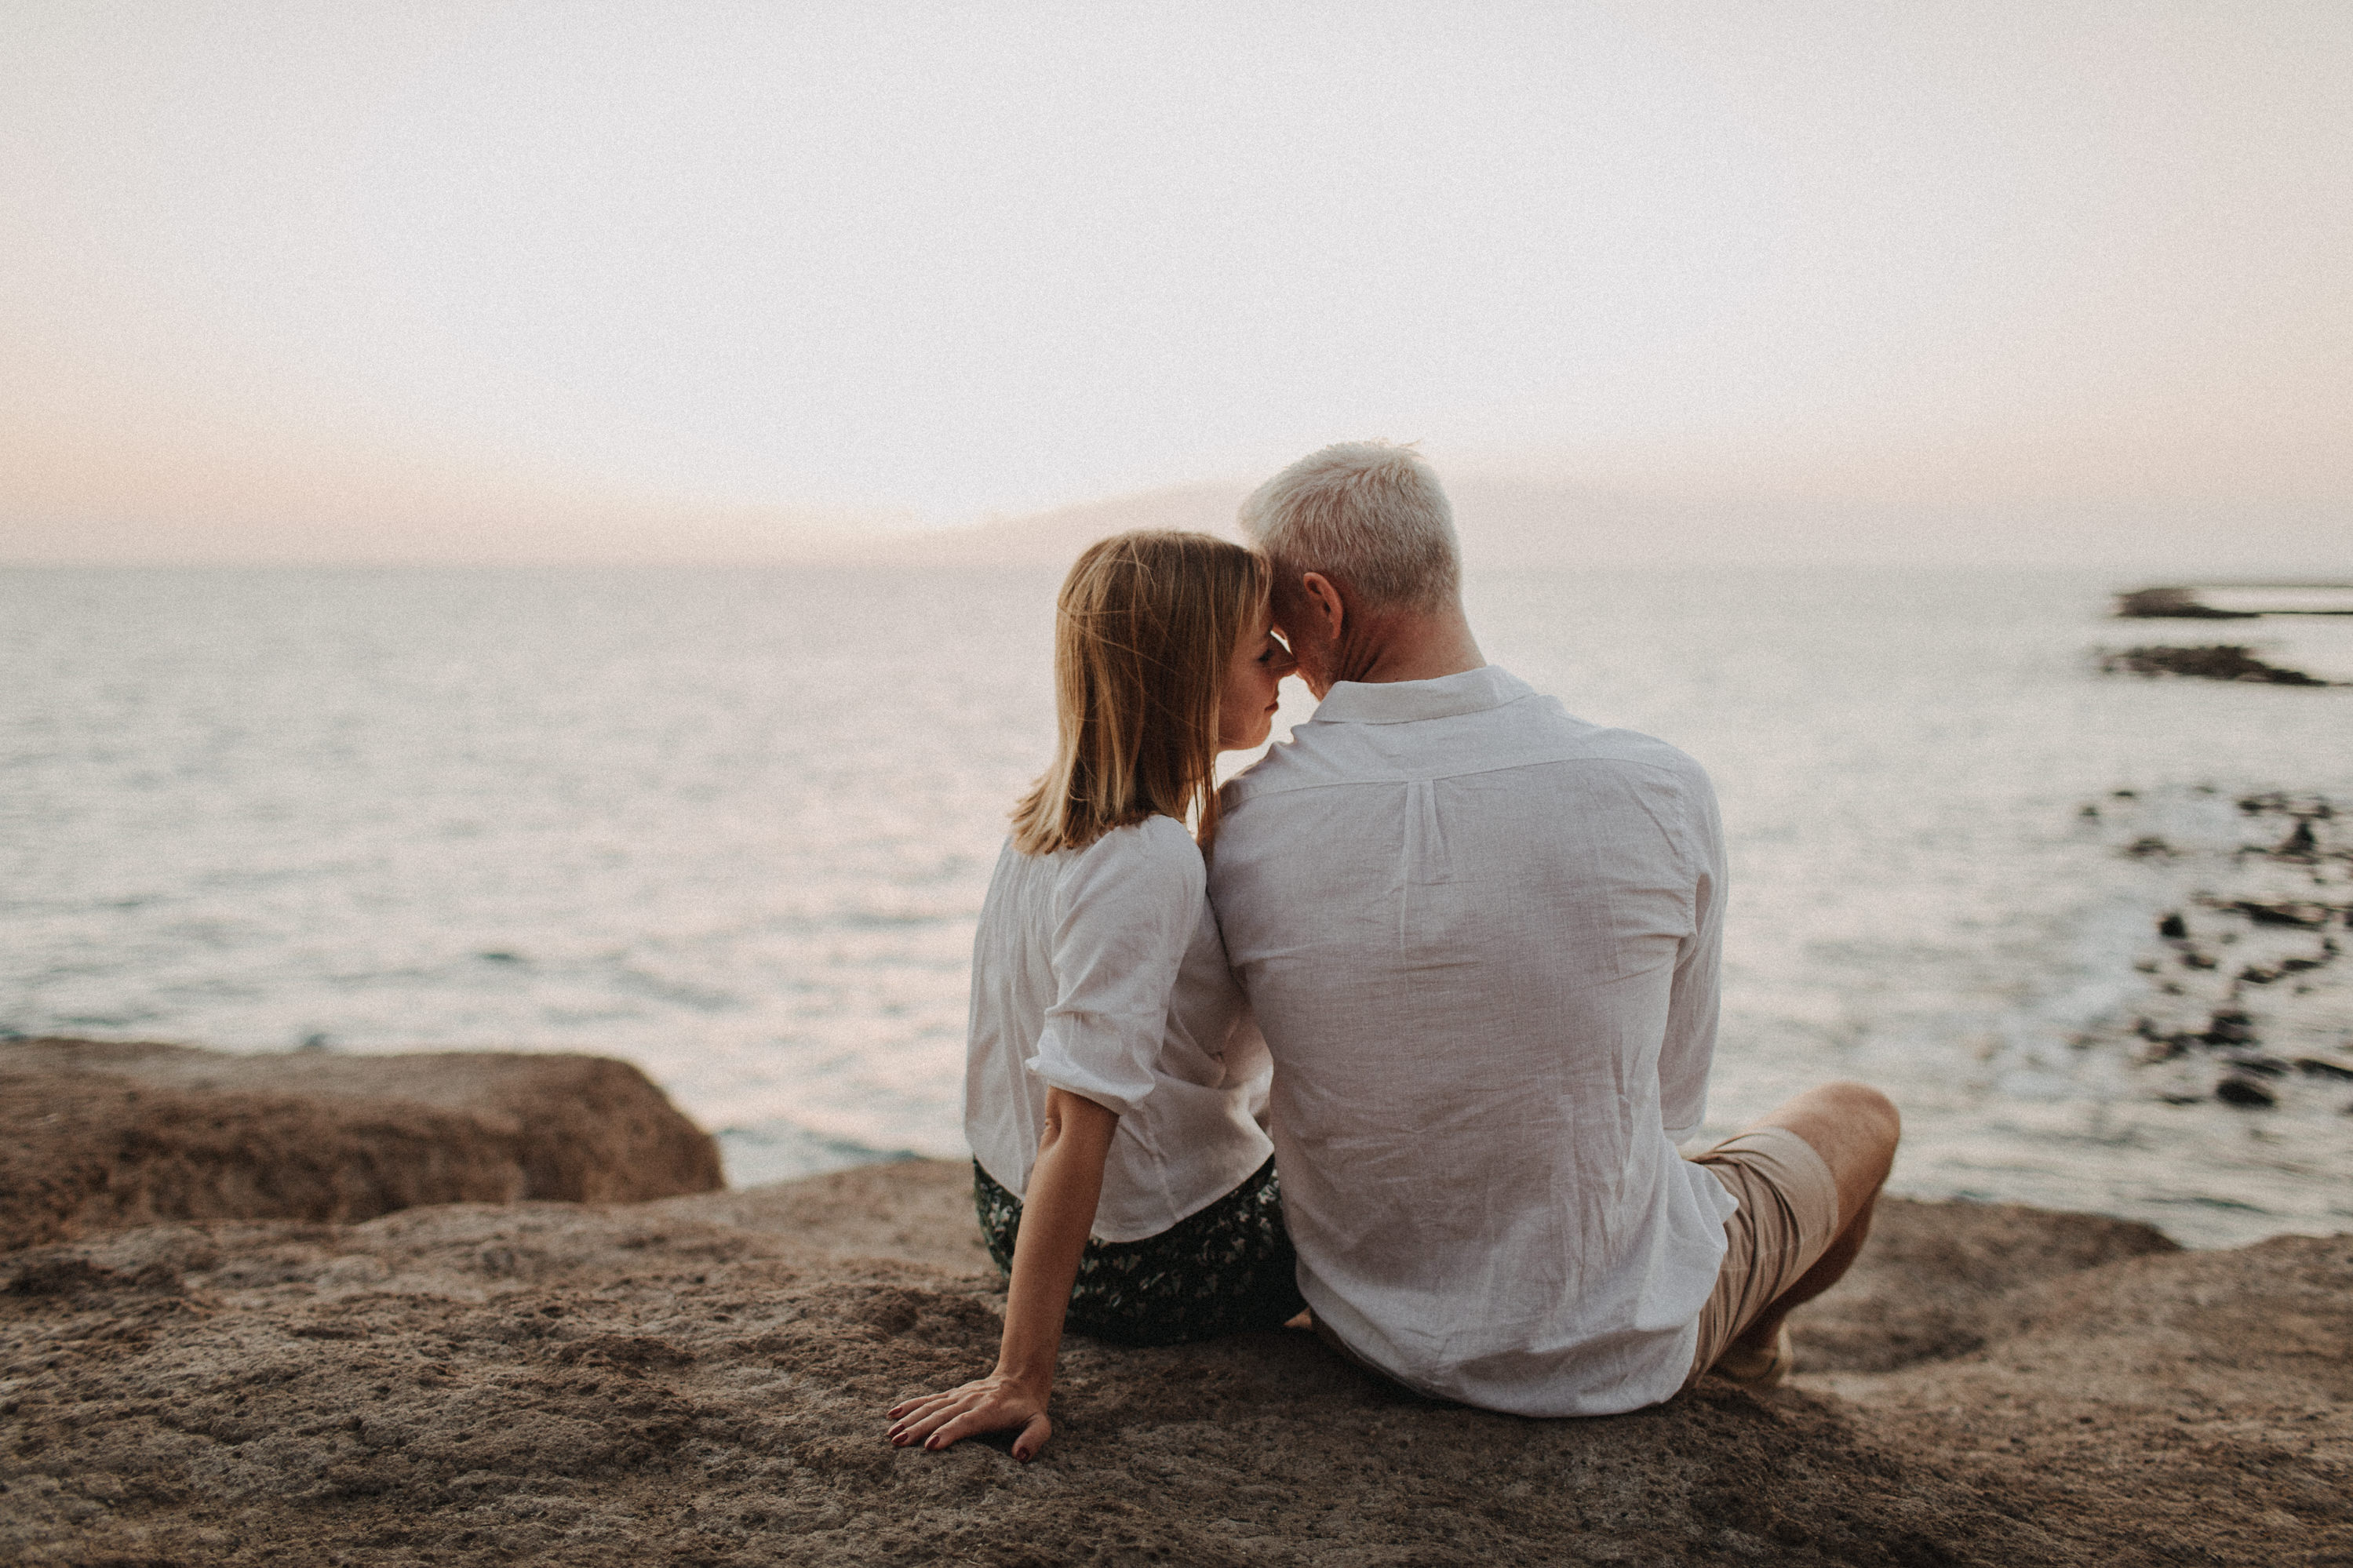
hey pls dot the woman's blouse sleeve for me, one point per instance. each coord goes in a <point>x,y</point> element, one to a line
<point>1124,912</point>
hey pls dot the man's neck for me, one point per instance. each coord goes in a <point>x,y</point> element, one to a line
<point>1406,646</point>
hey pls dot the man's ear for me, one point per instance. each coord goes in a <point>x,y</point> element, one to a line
<point>1321,596</point>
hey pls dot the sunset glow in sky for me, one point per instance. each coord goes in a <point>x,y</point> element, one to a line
<point>533,280</point>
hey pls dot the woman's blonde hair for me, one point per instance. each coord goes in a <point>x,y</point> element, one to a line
<point>1144,625</point>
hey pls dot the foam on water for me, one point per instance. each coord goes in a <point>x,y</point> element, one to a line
<point>736,825</point>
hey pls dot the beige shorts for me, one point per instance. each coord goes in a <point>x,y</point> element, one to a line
<point>1788,1217</point>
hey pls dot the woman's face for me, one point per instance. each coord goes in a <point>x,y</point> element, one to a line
<point>1245,711</point>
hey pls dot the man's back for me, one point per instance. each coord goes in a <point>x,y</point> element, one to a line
<point>1482,938</point>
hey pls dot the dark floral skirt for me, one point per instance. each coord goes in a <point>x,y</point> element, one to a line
<point>1226,1268</point>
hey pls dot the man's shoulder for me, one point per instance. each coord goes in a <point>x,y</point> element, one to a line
<point>1530,731</point>
<point>1314,757</point>
<point>1294,761</point>
<point>1636,750</point>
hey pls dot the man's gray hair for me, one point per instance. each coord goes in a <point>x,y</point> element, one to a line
<point>1367,515</point>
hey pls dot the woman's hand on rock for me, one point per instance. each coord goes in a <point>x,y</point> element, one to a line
<point>989,1403</point>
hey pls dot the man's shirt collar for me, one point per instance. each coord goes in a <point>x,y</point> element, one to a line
<point>1403,701</point>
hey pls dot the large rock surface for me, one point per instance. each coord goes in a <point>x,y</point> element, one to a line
<point>702,1381</point>
<point>97,1136</point>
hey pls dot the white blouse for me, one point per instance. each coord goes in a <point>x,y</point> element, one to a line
<point>1100,971</point>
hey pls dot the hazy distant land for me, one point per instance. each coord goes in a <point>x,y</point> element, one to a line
<point>1507,521</point>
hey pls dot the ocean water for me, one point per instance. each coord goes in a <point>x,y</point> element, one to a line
<point>735,827</point>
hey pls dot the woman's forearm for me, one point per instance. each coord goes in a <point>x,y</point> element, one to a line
<point>1057,1214</point>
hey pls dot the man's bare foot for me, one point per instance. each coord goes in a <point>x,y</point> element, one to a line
<point>1753,1368</point>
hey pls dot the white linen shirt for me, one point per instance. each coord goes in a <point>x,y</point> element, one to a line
<point>1100,971</point>
<point>1481,939</point>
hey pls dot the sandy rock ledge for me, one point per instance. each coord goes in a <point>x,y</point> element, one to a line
<point>700,1380</point>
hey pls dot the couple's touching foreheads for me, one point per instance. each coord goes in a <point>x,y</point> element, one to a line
<point>1396,1036</point>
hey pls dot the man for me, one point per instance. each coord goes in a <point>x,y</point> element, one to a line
<point>1482,940</point>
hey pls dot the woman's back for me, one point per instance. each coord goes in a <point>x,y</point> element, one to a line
<point>1100,971</point>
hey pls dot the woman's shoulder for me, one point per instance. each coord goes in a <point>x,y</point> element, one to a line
<point>1159,836</point>
<point>1156,852</point>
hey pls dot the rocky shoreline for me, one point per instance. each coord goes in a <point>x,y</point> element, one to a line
<point>2246,995</point>
<point>699,1379</point>
<point>2222,602</point>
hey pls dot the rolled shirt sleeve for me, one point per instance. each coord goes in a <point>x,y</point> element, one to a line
<point>1125,910</point>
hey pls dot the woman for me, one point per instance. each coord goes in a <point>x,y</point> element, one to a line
<point>1114,1081</point>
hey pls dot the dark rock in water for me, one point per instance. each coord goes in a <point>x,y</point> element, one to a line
<point>2299,845</point>
<point>2228,661</point>
<point>2246,1091</point>
<point>2279,803</point>
<point>2310,917</point>
<point>2173,928</point>
<point>2144,848</point>
<point>2313,1066</point>
<point>2229,1030</point>
<point>2256,1062</point>
<point>2254,974</point>
<point>2172,604</point>
<point>2193,958</point>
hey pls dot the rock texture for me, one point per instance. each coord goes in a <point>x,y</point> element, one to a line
<point>701,1380</point>
<point>97,1136</point>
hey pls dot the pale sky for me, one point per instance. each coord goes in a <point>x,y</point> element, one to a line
<point>402,278</point>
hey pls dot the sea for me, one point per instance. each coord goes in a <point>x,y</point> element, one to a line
<point>734,826</point>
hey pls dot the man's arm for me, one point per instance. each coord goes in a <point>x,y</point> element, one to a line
<point>1689,1048</point>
